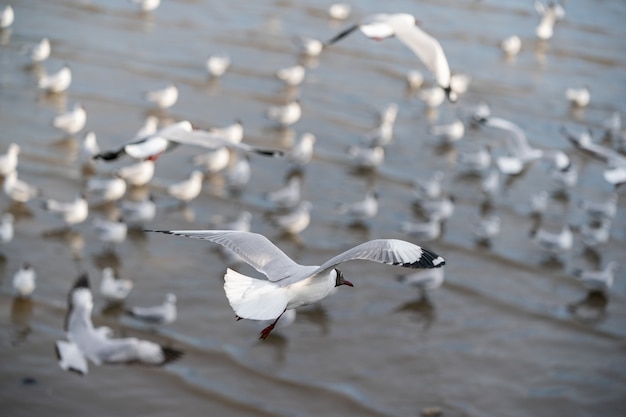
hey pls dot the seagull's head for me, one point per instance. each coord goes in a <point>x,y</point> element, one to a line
<point>339,280</point>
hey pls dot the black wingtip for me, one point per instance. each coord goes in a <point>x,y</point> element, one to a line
<point>273,153</point>
<point>171,355</point>
<point>82,281</point>
<point>108,156</point>
<point>340,36</point>
<point>428,260</point>
<point>167,232</point>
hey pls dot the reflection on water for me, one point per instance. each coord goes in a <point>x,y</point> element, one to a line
<point>21,312</point>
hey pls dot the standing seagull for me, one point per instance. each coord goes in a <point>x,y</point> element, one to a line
<point>72,121</point>
<point>404,27</point>
<point>290,285</point>
<point>7,16</point>
<point>86,342</point>
<point>162,314</point>
<point>24,281</point>
<point>57,82</point>
<point>73,212</point>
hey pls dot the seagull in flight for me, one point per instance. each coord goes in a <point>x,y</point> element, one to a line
<point>96,344</point>
<point>290,285</point>
<point>181,133</point>
<point>405,27</point>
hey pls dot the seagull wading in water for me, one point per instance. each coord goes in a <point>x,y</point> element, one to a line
<point>290,285</point>
<point>405,27</point>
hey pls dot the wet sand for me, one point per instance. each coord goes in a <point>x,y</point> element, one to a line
<point>509,333</point>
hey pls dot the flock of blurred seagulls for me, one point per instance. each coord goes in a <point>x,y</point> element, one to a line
<point>290,285</point>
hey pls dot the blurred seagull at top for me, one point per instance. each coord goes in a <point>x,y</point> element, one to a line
<point>578,97</point>
<point>405,27</point>
<point>18,190</point>
<point>72,212</point>
<point>291,76</point>
<point>147,5</point>
<point>539,202</point>
<point>450,132</point>
<point>56,82</point>
<point>424,231</point>
<point>164,313</point>
<point>24,281</point>
<point>137,174</point>
<point>285,115</point>
<point>601,280</point>
<point>212,161</point>
<point>114,289</point>
<point>73,121</point>
<point>96,344</point>
<point>480,113</point>
<point>549,14</point>
<point>163,98</point>
<point>520,151</point>
<point>238,172</point>
<point>366,157</point>
<point>615,172</point>
<point>168,138</point>
<point>232,133</point>
<point>287,196</point>
<point>40,51</point>
<point>511,45</point>
<point>217,65</point>
<point>382,134</point>
<point>7,16</point>
<point>302,152</point>
<point>564,178</point>
<point>290,285</point>
<point>429,188</point>
<point>339,11</point>
<point>8,160</point>
<point>310,47</point>
<point>486,228</point>
<point>361,210</point>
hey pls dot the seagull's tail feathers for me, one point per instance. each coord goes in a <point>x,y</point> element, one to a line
<point>70,357</point>
<point>254,298</point>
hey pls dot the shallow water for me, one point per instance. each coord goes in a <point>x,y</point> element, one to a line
<point>497,339</point>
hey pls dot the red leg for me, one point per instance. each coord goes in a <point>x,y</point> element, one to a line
<point>266,332</point>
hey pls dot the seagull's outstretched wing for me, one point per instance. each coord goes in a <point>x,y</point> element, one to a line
<point>70,357</point>
<point>255,249</point>
<point>428,49</point>
<point>388,251</point>
<point>209,140</point>
<point>341,35</point>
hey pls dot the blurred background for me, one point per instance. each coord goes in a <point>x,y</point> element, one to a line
<point>511,331</point>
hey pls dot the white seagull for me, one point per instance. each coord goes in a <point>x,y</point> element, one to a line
<point>309,47</point>
<point>181,133</point>
<point>405,27</point>
<point>287,196</point>
<point>290,285</point>
<point>164,313</point>
<point>40,51</point>
<point>73,212</point>
<point>56,82</point>
<point>24,281</point>
<point>339,11</point>
<point>18,190</point>
<point>187,189</point>
<point>554,242</point>
<point>291,76</point>
<point>302,152</point>
<point>549,14</point>
<point>599,210</point>
<point>114,289</point>
<point>147,5</point>
<point>511,45</point>
<point>110,232</point>
<point>449,132</point>
<point>149,127</point>
<point>601,280</point>
<point>163,98</point>
<point>429,188</point>
<point>295,220</point>
<point>7,16</point>
<point>425,231</point>
<point>360,210</point>
<point>72,121</point>
<point>89,147</point>
<point>217,65</point>
<point>285,115</point>
<point>578,97</point>
<point>8,160</point>
<point>366,157</point>
<point>414,79</point>
<point>425,280</point>
<point>96,344</point>
<point>382,134</point>
<point>137,213</point>
<point>137,174</point>
<point>7,230</point>
<point>106,189</point>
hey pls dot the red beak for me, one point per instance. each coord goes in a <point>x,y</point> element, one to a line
<point>348,283</point>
